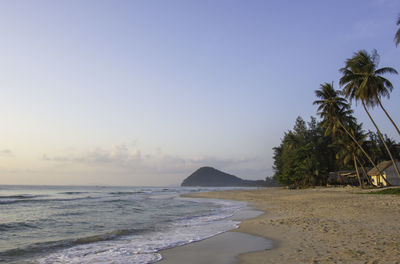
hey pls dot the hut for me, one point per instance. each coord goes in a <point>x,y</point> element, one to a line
<point>346,178</point>
<point>388,171</point>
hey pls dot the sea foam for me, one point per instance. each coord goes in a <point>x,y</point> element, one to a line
<point>145,247</point>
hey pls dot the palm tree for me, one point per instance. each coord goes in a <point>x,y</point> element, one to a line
<point>349,151</point>
<point>362,81</point>
<point>364,171</point>
<point>292,140</point>
<point>336,114</point>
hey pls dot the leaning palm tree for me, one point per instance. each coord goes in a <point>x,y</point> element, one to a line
<point>362,81</point>
<point>349,151</point>
<point>364,170</point>
<point>336,114</point>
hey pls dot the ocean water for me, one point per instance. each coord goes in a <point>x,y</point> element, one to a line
<point>81,224</point>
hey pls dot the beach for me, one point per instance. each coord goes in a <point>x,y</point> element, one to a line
<point>319,225</point>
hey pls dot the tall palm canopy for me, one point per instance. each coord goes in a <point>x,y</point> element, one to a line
<point>332,107</point>
<point>362,80</point>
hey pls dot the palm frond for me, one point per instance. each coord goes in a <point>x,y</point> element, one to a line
<point>397,37</point>
<point>386,70</point>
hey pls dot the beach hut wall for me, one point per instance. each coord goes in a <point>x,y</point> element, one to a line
<point>388,171</point>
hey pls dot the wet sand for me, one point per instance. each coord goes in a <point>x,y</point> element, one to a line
<point>220,249</point>
<point>321,225</point>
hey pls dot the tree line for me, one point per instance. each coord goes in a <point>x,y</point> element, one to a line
<point>309,151</point>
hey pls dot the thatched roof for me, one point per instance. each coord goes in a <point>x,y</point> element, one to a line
<point>382,166</point>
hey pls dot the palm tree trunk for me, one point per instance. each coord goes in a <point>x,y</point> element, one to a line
<point>363,151</point>
<point>384,110</point>
<point>365,172</point>
<point>383,140</point>
<point>358,174</point>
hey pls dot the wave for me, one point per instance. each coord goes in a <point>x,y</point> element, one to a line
<point>16,226</point>
<point>69,214</point>
<point>145,248</point>
<point>116,201</point>
<point>122,193</point>
<point>21,196</point>
<point>72,227</point>
<point>129,193</point>
<point>44,200</point>
<point>108,236</point>
<point>53,246</point>
<point>71,193</point>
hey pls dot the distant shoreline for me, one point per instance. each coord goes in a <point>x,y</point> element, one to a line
<point>320,225</point>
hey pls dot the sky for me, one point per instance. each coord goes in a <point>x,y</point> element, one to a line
<point>145,92</point>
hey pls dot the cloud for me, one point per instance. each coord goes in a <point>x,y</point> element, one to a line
<point>117,154</point>
<point>219,162</point>
<point>5,152</point>
<point>123,157</point>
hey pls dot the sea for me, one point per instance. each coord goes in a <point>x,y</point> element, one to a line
<point>98,224</point>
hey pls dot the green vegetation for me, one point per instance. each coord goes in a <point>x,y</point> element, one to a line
<point>308,152</point>
<point>303,158</point>
<point>395,191</point>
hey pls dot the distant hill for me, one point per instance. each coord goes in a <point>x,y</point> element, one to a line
<point>210,177</point>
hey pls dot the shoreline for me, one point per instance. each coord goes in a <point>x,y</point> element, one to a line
<point>319,225</point>
<point>222,248</point>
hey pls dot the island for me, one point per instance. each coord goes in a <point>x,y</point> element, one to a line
<point>211,177</point>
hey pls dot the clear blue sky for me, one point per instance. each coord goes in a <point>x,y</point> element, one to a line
<point>144,92</point>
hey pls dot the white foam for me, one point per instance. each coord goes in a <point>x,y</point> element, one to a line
<point>144,248</point>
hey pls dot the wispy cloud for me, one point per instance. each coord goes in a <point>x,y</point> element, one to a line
<point>5,152</point>
<point>117,154</point>
<point>123,157</point>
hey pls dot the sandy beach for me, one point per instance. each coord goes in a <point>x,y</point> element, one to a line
<point>321,225</point>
